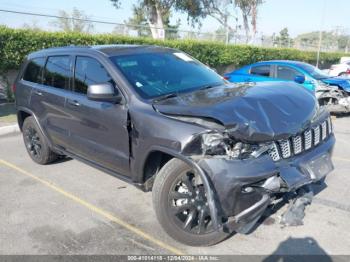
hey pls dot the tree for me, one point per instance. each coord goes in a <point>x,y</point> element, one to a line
<point>344,42</point>
<point>331,40</point>
<point>157,13</point>
<point>283,39</point>
<point>249,10</point>
<point>140,23</point>
<point>74,22</point>
<point>221,11</point>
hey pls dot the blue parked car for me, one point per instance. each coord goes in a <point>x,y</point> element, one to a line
<point>284,70</point>
<point>333,92</point>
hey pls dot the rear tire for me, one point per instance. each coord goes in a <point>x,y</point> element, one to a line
<point>176,187</point>
<point>36,144</point>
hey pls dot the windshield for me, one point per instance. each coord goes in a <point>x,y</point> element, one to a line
<point>162,73</point>
<point>314,71</point>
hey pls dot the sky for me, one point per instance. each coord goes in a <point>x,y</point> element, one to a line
<point>299,16</point>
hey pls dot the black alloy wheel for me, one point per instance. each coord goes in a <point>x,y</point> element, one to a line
<point>32,142</point>
<point>181,205</point>
<point>187,204</point>
<point>36,143</point>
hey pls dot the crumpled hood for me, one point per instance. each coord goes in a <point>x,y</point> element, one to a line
<point>251,112</point>
<point>339,81</point>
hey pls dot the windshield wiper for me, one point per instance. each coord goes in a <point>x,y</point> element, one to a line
<point>164,97</point>
<point>175,94</point>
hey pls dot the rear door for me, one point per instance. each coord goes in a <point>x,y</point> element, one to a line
<point>260,73</point>
<point>31,78</point>
<point>48,98</point>
<point>98,130</point>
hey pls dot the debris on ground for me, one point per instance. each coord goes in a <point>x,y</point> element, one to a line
<point>296,209</point>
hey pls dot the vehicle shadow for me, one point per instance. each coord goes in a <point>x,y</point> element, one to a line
<point>298,249</point>
<point>61,159</point>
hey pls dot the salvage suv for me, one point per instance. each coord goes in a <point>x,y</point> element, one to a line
<point>214,154</point>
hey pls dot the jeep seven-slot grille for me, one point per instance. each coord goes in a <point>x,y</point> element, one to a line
<point>310,138</point>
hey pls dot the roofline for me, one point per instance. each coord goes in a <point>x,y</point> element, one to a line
<point>107,50</point>
<point>280,61</point>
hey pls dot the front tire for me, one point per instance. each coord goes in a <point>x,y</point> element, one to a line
<point>180,203</point>
<point>36,144</point>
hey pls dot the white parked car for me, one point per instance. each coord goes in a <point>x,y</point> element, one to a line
<point>341,69</point>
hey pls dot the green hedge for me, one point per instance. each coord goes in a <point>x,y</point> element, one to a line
<point>15,44</point>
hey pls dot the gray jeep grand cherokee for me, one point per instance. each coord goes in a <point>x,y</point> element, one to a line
<point>214,154</point>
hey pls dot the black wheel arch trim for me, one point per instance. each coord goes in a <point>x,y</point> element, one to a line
<point>31,113</point>
<point>206,182</point>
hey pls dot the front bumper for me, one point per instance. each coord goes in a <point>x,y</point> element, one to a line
<point>238,185</point>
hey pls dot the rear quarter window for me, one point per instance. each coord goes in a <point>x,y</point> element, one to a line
<point>34,69</point>
<point>262,70</point>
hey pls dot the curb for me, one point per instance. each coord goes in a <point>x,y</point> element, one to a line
<point>5,130</point>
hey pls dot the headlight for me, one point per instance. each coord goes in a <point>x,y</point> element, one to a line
<point>220,144</point>
<point>214,144</point>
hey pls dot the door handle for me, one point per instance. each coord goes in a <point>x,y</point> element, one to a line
<point>73,102</point>
<point>38,93</point>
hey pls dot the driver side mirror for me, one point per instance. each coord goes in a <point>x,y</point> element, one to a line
<point>299,79</point>
<point>104,92</point>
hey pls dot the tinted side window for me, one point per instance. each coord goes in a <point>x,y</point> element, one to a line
<point>286,73</point>
<point>89,71</point>
<point>263,70</point>
<point>57,72</point>
<point>33,72</point>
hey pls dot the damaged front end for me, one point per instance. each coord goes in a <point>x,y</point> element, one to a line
<point>334,99</point>
<point>258,141</point>
<point>245,177</point>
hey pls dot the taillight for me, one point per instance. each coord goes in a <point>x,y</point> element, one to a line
<point>348,71</point>
<point>13,88</point>
<point>226,77</point>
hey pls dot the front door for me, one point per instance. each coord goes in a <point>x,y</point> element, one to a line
<point>98,130</point>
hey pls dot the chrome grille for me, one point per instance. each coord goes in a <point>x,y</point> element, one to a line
<point>297,144</point>
<point>302,142</point>
<point>330,126</point>
<point>324,130</point>
<point>307,139</point>
<point>275,155</point>
<point>316,134</point>
<point>285,148</point>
